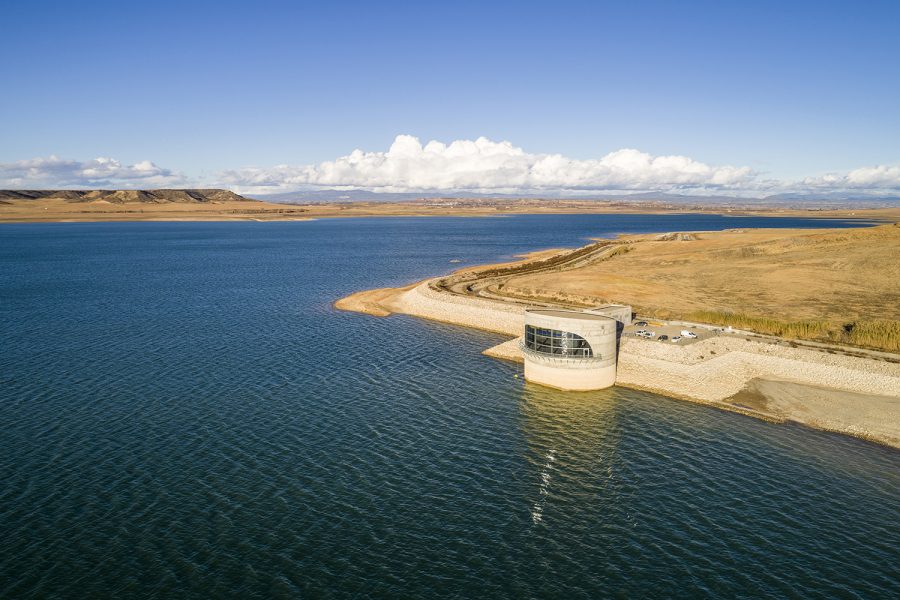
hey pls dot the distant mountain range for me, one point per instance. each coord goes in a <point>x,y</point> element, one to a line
<point>888,199</point>
<point>122,196</point>
<point>313,196</point>
<point>825,199</point>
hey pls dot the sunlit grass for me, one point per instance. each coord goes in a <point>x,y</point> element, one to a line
<point>878,334</point>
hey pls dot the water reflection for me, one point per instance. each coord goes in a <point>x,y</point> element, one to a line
<point>572,438</point>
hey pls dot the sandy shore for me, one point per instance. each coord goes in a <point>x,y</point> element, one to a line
<point>848,394</point>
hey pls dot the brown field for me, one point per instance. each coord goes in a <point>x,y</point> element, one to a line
<point>59,210</point>
<point>124,208</point>
<point>829,285</point>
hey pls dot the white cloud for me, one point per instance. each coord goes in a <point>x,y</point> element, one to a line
<point>54,172</point>
<point>879,178</point>
<point>480,165</point>
<point>486,166</point>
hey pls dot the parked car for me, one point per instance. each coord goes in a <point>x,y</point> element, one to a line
<point>641,323</point>
<point>649,334</point>
<point>688,334</point>
<point>675,339</point>
<point>663,338</point>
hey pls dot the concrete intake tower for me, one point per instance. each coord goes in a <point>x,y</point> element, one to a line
<point>573,350</point>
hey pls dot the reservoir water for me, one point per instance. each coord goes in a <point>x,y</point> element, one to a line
<point>185,415</point>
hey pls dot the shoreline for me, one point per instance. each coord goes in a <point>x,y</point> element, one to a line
<point>814,385</point>
<point>60,211</point>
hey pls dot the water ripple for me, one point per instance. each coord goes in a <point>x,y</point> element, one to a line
<point>188,417</point>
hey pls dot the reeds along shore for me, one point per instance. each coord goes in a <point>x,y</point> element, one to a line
<point>875,334</point>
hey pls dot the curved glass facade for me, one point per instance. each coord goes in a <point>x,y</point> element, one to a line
<point>558,343</point>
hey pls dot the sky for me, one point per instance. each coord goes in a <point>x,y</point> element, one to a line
<point>746,98</point>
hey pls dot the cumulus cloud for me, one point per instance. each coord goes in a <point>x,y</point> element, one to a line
<point>54,172</point>
<point>879,178</point>
<point>480,165</point>
<point>487,166</point>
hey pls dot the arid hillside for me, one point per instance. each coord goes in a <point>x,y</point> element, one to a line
<point>125,196</point>
<point>20,206</point>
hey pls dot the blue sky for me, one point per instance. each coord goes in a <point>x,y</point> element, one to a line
<point>790,91</point>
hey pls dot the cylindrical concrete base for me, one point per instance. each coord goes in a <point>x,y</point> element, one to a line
<point>572,379</point>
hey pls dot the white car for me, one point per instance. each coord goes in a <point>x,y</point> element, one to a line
<point>675,339</point>
<point>649,334</point>
<point>688,334</point>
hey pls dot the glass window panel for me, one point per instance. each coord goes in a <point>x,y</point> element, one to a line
<point>552,341</point>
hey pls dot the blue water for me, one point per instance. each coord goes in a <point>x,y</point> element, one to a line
<point>185,415</point>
